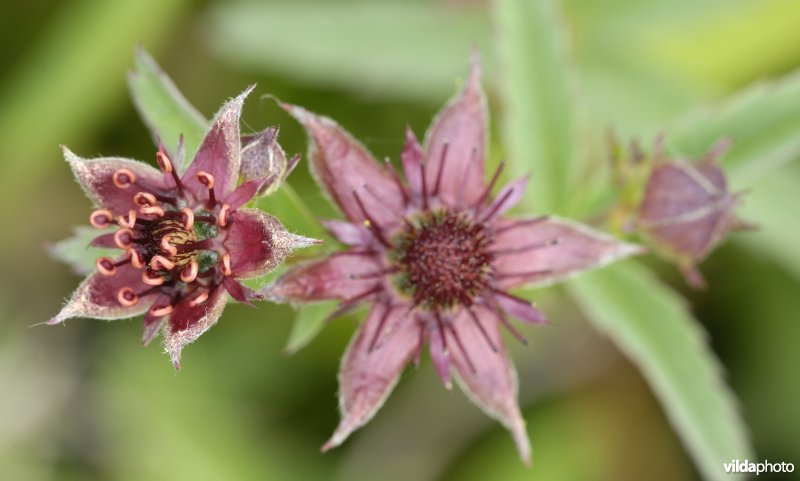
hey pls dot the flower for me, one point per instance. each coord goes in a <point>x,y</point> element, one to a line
<point>185,239</point>
<point>435,259</point>
<point>687,209</point>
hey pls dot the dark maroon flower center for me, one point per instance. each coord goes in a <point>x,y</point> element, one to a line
<point>173,238</point>
<point>443,259</point>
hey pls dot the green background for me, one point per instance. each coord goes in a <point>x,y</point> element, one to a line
<point>86,401</point>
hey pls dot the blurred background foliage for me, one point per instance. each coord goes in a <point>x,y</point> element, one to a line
<point>85,401</point>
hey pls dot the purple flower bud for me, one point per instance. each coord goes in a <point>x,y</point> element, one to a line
<point>687,209</point>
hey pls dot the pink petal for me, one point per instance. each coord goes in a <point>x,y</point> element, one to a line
<point>258,242</point>
<point>219,152</point>
<point>348,233</point>
<point>544,251</point>
<point>461,125</point>
<point>492,385</point>
<point>95,177</point>
<point>411,158</point>
<point>96,297</point>
<point>187,323</point>
<point>343,166</point>
<point>243,193</point>
<point>105,241</point>
<point>440,356</point>
<point>335,277</point>
<point>367,377</point>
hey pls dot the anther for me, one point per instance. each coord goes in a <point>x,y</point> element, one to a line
<point>201,298</point>
<point>123,178</point>
<point>168,248</point>
<point>105,266</point>
<point>124,238</point>
<point>226,264</point>
<point>163,162</point>
<point>127,297</point>
<point>188,218</point>
<point>137,259</point>
<point>128,221</point>
<point>222,218</point>
<point>151,278</point>
<point>189,273</point>
<point>158,263</point>
<point>101,219</point>
<point>152,210</point>
<point>208,180</point>
<point>161,311</point>
<point>144,198</point>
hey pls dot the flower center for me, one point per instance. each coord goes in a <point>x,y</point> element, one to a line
<point>173,245</point>
<point>443,259</point>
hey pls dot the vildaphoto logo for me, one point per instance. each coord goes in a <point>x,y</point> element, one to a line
<point>736,466</point>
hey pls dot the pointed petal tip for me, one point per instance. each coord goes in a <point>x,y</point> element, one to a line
<point>300,242</point>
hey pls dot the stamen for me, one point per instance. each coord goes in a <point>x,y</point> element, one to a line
<point>101,218</point>
<point>525,248</point>
<point>189,273</point>
<point>158,263</point>
<point>222,218</point>
<point>438,184</point>
<point>369,222</point>
<point>208,180</point>
<point>137,259</point>
<point>123,178</point>
<point>168,248</point>
<point>201,298</point>
<point>164,163</point>
<point>498,312</point>
<point>105,266</point>
<point>226,264</point>
<point>485,334</point>
<point>506,275</point>
<point>490,185</point>
<point>496,205</point>
<point>124,238</point>
<point>440,325</point>
<point>161,311</point>
<point>522,223</point>
<point>144,198</point>
<point>378,329</point>
<point>127,221</point>
<point>396,178</point>
<point>152,278</point>
<point>127,297</point>
<point>424,182</point>
<point>152,210</point>
<point>188,218</point>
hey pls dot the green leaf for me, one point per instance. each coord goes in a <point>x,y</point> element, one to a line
<point>394,48</point>
<point>77,252</point>
<point>163,108</point>
<point>652,326</point>
<point>767,205</point>
<point>763,121</point>
<point>538,123</point>
<point>309,321</point>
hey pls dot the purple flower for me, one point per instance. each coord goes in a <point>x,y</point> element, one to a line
<point>185,239</point>
<point>687,209</point>
<point>435,258</point>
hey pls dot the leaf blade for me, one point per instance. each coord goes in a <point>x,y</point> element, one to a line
<point>538,125</point>
<point>308,322</point>
<point>163,108</point>
<point>623,302</point>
